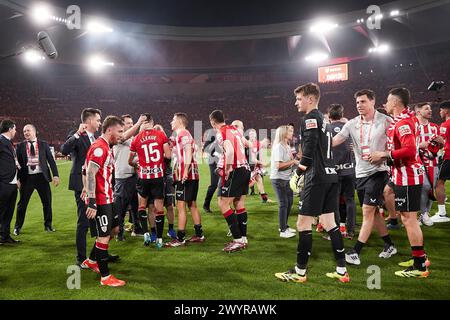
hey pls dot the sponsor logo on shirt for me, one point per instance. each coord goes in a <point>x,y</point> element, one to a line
<point>330,171</point>
<point>98,152</point>
<point>404,130</point>
<point>337,129</point>
<point>443,130</point>
<point>345,166</point>
<point>150,170</point>
<point>311,124</point>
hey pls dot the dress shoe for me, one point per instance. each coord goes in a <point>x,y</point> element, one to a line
<point>207,209</point>
<point>9,240</point>
<point>49,229</point>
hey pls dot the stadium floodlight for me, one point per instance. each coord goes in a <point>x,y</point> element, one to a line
<point>381,49</point>
<point>323,27</point>
<point>97,27</point>
<point>41,13</point>
<point>33,57</point>
<point>317,57</point>
<point>97,63</point>
<point>395,13</point>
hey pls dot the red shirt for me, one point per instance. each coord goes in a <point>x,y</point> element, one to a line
<point>149,146</point>
<point>407,169</point>
<point>102,155</point>
<point>428,132</point>
<point>444,131</point>
<point>184,141</point>
<point>232,134</point>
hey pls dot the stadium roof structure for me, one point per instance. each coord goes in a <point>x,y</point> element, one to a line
<point>163,35</point>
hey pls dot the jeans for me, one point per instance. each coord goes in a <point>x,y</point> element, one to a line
<point>285,197</point>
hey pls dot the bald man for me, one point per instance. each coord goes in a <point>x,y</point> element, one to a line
<point>34,157</point>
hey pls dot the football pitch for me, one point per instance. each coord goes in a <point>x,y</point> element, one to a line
<point>37,268</point>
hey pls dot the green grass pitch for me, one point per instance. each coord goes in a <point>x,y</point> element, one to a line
<point>37,267</point>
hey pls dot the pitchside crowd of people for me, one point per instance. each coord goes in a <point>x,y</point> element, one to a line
<point>395,159</point>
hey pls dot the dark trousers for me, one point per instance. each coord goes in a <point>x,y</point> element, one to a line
<point>213,184</point>
<point>285,197</point>
<point>125,195</point>
<point>38,182</point>
<point>347,191</point>
<point>82,227</point>
<point>8,197</point>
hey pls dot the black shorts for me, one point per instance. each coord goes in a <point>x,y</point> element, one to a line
<point>105,220</point>
<point>319,199</point>
<point>444,170</point>
<point>237,184</point>
<point>370,189</point>
<point>407,198</point>
<point>347,186</point>
<point>151,189</point>
<point>186,191</point>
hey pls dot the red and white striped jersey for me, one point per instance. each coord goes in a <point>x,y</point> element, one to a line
<point>185,142</point>
<point>407,169</point>
<point>149,146</point>
<point>427,132</point>
<point>102,156</point>
<point>444,131</point>
<point>232,134</point>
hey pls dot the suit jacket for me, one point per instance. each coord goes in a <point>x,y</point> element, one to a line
<point>45,159</point>
<point>7,160</point>
<point>77,148</point>
<point>211,147</point>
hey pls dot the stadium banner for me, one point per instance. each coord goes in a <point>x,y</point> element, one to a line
<point>333,73</point>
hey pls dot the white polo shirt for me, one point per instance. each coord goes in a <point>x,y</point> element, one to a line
<point>367,137</point>
<point>121,153</point>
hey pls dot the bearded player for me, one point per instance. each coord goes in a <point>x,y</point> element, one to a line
<point>103,219</point>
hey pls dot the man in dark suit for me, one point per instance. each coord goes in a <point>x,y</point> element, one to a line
<point>34,156</point>
<point>8,179</point>
<point>77,145</point>
<point>213,150</point>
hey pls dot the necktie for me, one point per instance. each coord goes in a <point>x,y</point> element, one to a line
<point>33,153</point>
<point>92,139</point>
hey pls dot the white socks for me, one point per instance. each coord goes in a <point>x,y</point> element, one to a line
<point>441,210</point>
<point>341,270</point>
<point>300,272</point>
